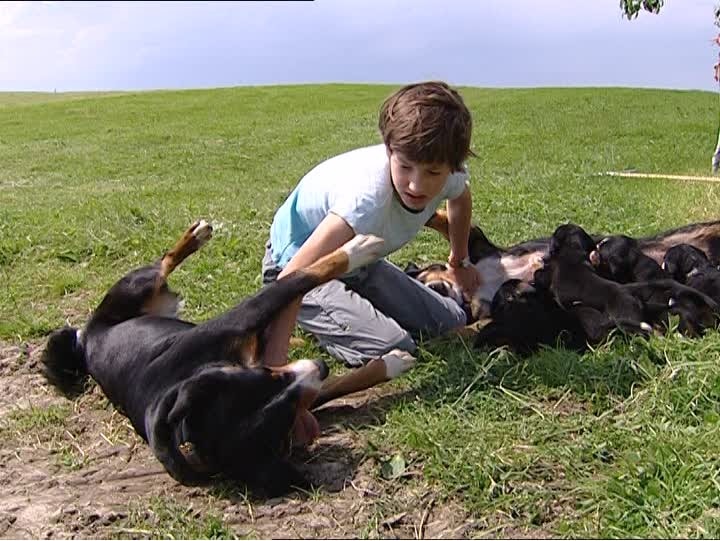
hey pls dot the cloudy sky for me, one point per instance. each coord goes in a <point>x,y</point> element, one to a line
<point>144,45</point>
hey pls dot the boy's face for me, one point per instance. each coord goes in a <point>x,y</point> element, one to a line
<point>417,183</point>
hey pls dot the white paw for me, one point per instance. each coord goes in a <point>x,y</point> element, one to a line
<point>362,250</point>
<point>397,362</point>
<point>202,232</point>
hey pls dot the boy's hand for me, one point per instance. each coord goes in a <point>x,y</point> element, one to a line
<point>468,278</point>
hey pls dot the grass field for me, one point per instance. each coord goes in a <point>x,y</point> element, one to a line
<point>619,442</point>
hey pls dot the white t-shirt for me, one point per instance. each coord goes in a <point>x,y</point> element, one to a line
<point>357,187</point>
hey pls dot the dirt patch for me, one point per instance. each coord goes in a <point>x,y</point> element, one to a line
<point>86,474</point>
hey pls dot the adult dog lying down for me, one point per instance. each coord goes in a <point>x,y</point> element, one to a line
<point>199,394</point>
<point>574,289</point>
<point>497,264</point>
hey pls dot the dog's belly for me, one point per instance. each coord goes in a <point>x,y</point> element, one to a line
<point>120,360</point>
<point>494,271</point>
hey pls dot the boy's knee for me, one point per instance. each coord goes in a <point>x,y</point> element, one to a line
<point>356,354</point>
<point>447,320</point>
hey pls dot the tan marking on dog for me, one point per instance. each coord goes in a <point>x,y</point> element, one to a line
<point>245,350</point>
<point>359,379</point>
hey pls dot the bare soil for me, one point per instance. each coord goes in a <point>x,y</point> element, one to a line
<point>91,476</point>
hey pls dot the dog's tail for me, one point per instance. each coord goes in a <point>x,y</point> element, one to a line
<point>63,362</point>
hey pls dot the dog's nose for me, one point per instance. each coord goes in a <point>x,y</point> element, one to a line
<point>322,368</point>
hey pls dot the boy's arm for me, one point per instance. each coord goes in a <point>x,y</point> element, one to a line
<point>459,217</point>
<point>332,233</point>
<point>459,212</point>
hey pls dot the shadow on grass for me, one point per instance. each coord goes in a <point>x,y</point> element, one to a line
<point>610,371</point>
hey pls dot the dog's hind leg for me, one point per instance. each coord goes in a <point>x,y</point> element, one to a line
<point>376,371</point>
<point>192,240</point>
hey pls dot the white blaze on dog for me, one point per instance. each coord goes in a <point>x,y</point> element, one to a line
<point>307,375</point>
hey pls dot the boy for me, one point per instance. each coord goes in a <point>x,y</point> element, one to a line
<point>389,190</point>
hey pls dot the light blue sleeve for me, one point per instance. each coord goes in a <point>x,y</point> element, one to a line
<point>360,212</point>
<point>456,184</point>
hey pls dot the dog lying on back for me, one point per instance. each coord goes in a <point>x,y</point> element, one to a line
<point>496,264</point>
<point>569,303</point>
<point>200,395</point>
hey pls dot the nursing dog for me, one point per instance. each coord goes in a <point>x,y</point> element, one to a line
<point>497,264</point>
<point>200,395</point>
<point>568,302</point>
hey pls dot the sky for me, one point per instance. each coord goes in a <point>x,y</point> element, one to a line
<point>73,46</point>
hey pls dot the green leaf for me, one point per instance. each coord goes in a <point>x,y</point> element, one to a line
<point>393,468</point>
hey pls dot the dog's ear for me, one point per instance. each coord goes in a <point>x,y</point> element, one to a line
<point>193,390</point>
<point>160,437</point>
<point>412,270</point>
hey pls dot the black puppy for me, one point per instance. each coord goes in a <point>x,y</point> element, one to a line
<point>200,394</point>
<point>619,258</point>
<point>690,266</point>
<point>598,303</point>
<point>632,307</point>
<point>525,318</point>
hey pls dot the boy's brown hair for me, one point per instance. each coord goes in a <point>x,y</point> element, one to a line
<point>428,123</point>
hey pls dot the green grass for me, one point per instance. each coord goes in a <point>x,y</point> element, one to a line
<point>46,428</point>
<point>619,442</point>
<point>165,518</point>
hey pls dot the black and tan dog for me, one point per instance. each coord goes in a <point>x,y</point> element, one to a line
<point>200,394</point>
<point>498,264</point>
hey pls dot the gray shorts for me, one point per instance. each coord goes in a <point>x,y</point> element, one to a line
<point>379,308</point>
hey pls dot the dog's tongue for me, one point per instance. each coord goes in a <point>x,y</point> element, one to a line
<point>306,428</point>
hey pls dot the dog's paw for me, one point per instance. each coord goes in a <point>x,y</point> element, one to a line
<point>397,362</point>
<point>362,250</point>
<point>201,232</point>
